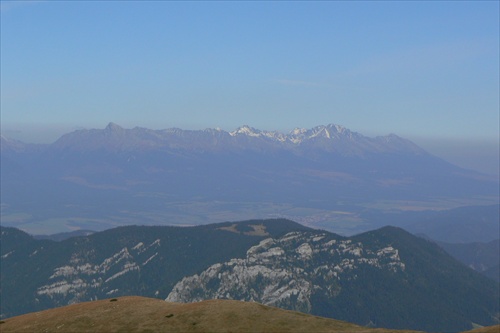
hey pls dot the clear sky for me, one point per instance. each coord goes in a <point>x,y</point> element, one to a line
<point>425,70</point>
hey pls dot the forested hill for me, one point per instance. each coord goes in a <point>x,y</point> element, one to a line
<point>384,278</point>
<point>131,260</point>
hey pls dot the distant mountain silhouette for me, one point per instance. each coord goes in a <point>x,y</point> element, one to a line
<point>100,178</point>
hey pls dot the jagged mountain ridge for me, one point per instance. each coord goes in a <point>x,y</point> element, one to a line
<point>281,272</point>
<point>331,138</point>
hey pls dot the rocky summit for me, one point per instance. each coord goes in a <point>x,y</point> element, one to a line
<point>287,272</point>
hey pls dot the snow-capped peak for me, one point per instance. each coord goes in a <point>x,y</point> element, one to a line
<point>321,131</point>
<point>331,138</point>
<point>246,130</point>
<point>331,131</point>
<point>298,131</point>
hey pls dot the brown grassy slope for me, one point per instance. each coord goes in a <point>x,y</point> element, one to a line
<point>489,329</point>
<point>140,314</point>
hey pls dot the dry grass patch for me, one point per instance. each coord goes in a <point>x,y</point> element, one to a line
<point>140,314</point>
<point>489,329</point>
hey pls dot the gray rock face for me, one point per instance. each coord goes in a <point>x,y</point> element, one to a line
<point>287,272</point>
<point>80,279</point>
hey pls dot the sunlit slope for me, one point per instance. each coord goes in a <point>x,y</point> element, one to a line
<point>140,314</point>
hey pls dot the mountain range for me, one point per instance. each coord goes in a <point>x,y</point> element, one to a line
<point>116,138</point>
<point>383,278</point>
<point>326,177</point>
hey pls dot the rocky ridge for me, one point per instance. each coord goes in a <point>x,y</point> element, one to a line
<point>288,271</point>
<point>376,278</point>
<point>80,279</point>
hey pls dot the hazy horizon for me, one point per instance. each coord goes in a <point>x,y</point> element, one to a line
<point>426,71</point>
<point>481,154</point>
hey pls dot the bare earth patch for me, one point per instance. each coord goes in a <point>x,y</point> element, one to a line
<point>258,230</point>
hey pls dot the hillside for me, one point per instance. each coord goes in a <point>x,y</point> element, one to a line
<point>466,224</point>
<point>482,257</point>
<point>459,225</point>
<point>134,260</point>
<point>489,329</point>
<point>140,314</point>
<point>385,278</point>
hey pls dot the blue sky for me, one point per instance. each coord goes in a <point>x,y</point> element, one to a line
<point>428,71</point>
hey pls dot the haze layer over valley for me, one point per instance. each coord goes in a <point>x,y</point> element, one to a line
<point>325,177</point>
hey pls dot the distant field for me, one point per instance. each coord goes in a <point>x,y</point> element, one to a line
<point>431,204</point>
<point>340,217</point>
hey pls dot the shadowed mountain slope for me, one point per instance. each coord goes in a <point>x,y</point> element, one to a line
<point>384,278</point>
<point>133,260</point>
<point>482,257</point>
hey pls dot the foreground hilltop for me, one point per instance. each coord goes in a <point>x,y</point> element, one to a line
<point>141,314</point>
